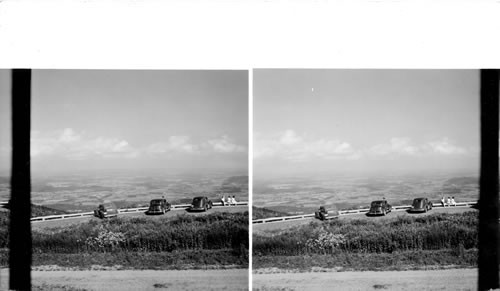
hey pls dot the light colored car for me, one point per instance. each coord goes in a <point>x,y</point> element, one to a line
<point>106,210</point>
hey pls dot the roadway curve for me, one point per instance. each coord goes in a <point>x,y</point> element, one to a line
<point>69,221</point>
<point>282,225</point>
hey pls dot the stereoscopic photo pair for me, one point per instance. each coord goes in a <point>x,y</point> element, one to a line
<point>140,180</point>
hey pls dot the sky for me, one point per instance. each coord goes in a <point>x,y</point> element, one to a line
<point>340,120</point>
<point>128,119</point>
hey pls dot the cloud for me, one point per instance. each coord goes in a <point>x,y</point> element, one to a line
<point>175,144</point>
<point>68,135</point>
<point>224,145</point>
<point>446,147</point>
<point>290,146</point>
<point>396,146</point>
<point>183,144</point>
<point>404,146</point>
<point>289,137</point>
<point>73,146</point>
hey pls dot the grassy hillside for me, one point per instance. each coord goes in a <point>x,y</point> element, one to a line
<point>261,213</point>
<point>438,239</point>
<point>38,210</point>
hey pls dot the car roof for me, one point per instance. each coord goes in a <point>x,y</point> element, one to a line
<point>107,204</point>
<point>421,198</point>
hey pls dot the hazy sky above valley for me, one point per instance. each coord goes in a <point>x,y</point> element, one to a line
<point>335,121</point>
<point>110,119</point>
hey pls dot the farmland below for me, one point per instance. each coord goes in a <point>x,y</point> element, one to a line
<point>217,240</point>
<point>83,191</point>
<point>303,195</point>
<point>437,240</point>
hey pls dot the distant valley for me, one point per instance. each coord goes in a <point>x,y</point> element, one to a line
<point>298,195</point>
<point>82,192</point>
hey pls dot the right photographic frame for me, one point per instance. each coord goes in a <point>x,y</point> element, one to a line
<point>366,179</point>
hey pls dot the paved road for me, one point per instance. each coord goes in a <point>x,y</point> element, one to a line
<point>273,226</point>
<point>451,279</point>
<point>70,221</point>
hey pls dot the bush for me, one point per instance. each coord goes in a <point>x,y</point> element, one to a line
<point>433,232</point>
<point>105,240</point>
<point>325,242</point>
<point>184,232</point>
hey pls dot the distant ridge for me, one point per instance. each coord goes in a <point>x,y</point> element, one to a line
<point>261,213</point>
<point>39,210</point>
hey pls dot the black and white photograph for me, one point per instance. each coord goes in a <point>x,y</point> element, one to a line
<point>139,179</point>
<point>264,145</point>
<point>365,179</point>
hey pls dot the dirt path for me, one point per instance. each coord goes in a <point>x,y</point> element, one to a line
<point>233,279</point>
<point>451,279</point>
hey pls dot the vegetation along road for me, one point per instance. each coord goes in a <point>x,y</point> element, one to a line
<point>263,227</point>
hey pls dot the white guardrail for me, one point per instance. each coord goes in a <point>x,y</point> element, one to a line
<point>355,211</point>
<point>123,211</point>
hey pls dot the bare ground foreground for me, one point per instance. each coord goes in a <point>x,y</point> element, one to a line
<point>448,279</point>
<point>233,279</point>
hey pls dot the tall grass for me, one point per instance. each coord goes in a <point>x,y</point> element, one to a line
<point>184,232</point>
<point>433,232</point>
<point>214,231</point>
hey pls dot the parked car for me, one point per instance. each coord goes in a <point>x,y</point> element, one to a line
<point>158,206</point>
<point>379,207</point>
<point>200,203</point>
<point>106,210</point>
<point>421,205</point>
<point>321,213</point>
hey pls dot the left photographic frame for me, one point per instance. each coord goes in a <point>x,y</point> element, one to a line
<point>139,179</point>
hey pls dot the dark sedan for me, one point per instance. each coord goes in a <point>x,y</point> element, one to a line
<point>379,207</point>
<point>321,213</point>
<point>106,210</point>
<point>200,203</point>
<point>158,206</point>
<point>421,205</point>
